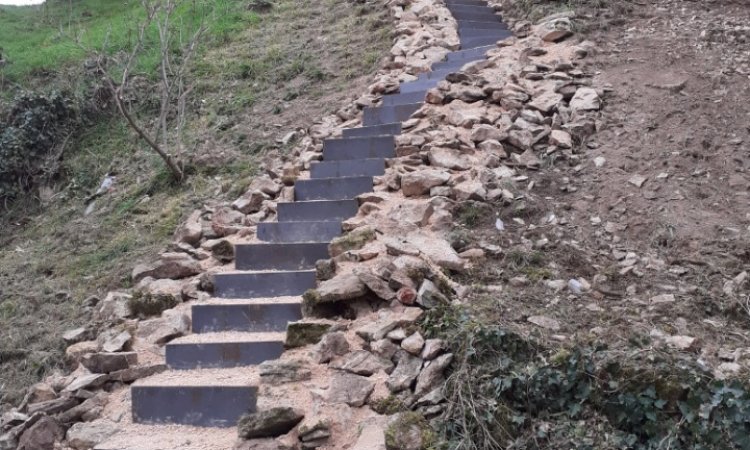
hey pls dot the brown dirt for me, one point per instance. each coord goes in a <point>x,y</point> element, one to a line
<point>679,78</point>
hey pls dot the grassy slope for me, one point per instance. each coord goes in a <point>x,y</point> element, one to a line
<point>269,74</point>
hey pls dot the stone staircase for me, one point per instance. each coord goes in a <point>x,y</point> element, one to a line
<point>212,382</point>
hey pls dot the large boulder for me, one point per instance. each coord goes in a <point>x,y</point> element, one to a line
<point>269,423</point>
<point>191,231</point>
<point>345,286</point>
<point>353,390</point>
<point>169,265</point>
<point>86,435</point>
<point>42,435</point>
<point>362,362</point>
<point>421,181</point>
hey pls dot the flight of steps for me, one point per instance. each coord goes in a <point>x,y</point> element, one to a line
<point>212,381</point>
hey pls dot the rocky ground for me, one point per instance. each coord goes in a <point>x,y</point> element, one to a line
<point>580,190</point>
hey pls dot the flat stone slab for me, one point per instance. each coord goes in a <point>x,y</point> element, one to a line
<point>466,2</point>
<point>479,16</point>
<point>472,54</point>
<point>221,354</point>
<point>331,188</point>
<point>206,406</point>
<point>474,42</point>
<point>388,129</point>
<point>348,168</point>
<point>263,284</point>
<point>359,148</point>
<point>261,317</point>
<point>404,99</point>
<point>421,85</point>
<point>471,25</point>
<point>286,256</point>
<point>316,210</point>
<point>390,114</point>
<point>293,232</point>
<point>480,9</point>
<point>498,34</point>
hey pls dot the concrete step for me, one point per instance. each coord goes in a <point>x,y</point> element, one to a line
<point>403,99</point>
<point>263,284</point>
<point>359,148</point>
<point>286,256</point>
<point>387,129</point>
<point>475,16</point>
<point>498,34</point>
<point>223,350</point>
<point>390,114</point>
<point>206,398</point>
<point>471,25</point>
<point>146,437</point>
<point>466,2</point>
<point>260,315</point>
<point>454,65</point>
<point>471,54</point>
<point>316,210</point>
<point>438,75</point>
<point>475,42</point>
<point>420,85</point>
<point>478,9</point>
<point>295,232</point>
<point>331,188</point>
<point>371,167</point>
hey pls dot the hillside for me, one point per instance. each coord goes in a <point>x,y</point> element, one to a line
<point>406,225</point>
<point>260,76</point>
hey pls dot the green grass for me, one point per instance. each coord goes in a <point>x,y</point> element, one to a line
<point>41,39</point>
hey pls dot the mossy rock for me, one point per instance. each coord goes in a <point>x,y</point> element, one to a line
<point>354,240</point>
<point>388,405</point>
<point>144,304</point>
<point>299,334</point>
<point>409,431</point>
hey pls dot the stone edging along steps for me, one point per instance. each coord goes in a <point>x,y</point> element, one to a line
<point>262,295</point>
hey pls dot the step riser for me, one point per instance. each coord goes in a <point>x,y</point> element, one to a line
<point>204,406</point>
<point>478,42</point>
<point>313,211</point>
<point>367,145</point>
<point>221,355</point>
<point>498,34</point>
<point>348,168</point>
<point>279,256</point>
<point>389,129</point>
<point>475,16</point>
<point>403,99</point>
<point>267,317</point>
<point>466,2</point>
<point>359,148</point>
<point>257,285</point>
<point>332,188</point>
<point>486,10</point>
<point>390,114</point>
<point>469,25</point>
<point>421,85</point>
<point>473,54</point>
<point>292,232</point>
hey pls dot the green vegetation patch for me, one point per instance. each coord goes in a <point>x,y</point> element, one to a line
<point>507,392</point>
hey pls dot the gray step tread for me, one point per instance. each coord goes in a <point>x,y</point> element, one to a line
<point>224,350</point>
<point>263,284</point>
<point>389,114</point>
<point>279,256</point>
<point>359,148</point>
<point>246,315</point>
<point>333,188</point>
<point>387,129</point>
<point>305,211</point>
<point>299,232</point>
<point>350,167</point>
